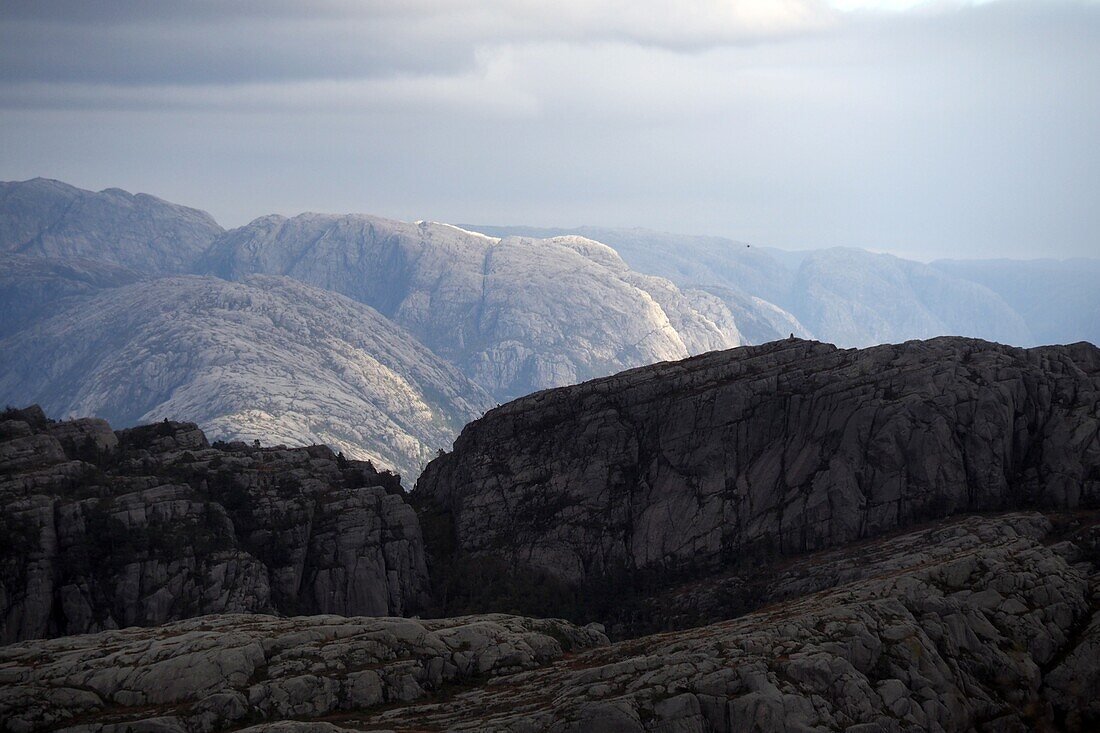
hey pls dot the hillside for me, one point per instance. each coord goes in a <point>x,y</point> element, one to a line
<point>266,358</point>
<point>49,218</point>
<point>515,315</point>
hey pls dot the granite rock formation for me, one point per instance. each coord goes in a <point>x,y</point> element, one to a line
<point>514,314</point>
<point>852,297</point>
<point>984,623</point>
<point>733,457</point>
<point>102,530</point>
<point>268,358</point>
<point>220,672</point>
<point>140,232</point>
<point>34,287</point>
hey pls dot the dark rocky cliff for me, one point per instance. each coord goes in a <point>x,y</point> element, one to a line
<point>104,529</point>
<point>733,457</point>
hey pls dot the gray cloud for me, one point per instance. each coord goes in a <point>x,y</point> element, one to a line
<point>201,42</point>
<point>953,130</point>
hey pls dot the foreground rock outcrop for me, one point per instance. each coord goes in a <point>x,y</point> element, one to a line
<point>101,530</point>
<point>978,625</point>
<point>985,623</point>
<point>734,457</point>
<point>217,672</point>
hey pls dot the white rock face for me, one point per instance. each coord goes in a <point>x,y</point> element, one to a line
<point>141,232</point>
<point>852,297</point>
<point>267,358</point>
<point>514,314</point>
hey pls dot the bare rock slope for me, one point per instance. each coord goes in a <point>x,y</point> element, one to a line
<point>853,297</point>
<point>101,530</point>
<point>34,287</point>
<point>983,624</point>
<point>979,625</point>
<point>267,358</point>
<point>514,314</point>
<point>777,449</point>
<point>49,218</point>
<point>219,672</point>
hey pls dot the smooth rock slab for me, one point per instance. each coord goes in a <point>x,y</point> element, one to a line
<point>216,672</point>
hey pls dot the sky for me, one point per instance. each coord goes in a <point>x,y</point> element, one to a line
<point>931,129</point>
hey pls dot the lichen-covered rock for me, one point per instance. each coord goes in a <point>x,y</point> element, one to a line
<point>732,457</point>
<point>217,672</point>
<point>100,530</point>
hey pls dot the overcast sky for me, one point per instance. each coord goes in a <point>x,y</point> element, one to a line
<point>928,129</point>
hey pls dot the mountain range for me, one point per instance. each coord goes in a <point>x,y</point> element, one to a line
<point>852,297</point>
<point>514,314</point>
<point>774,538</point>
<point>381,338</point>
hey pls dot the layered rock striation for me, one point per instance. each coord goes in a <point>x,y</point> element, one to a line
<point>102,530</point>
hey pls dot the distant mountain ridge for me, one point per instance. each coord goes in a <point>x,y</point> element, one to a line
<point>267,358</point>
<point>514,314</point>
<point>49,218</point>
<point>381,337</point>
<point>852,297</point>
<point>1058,299</point>
<point>442,316</point>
